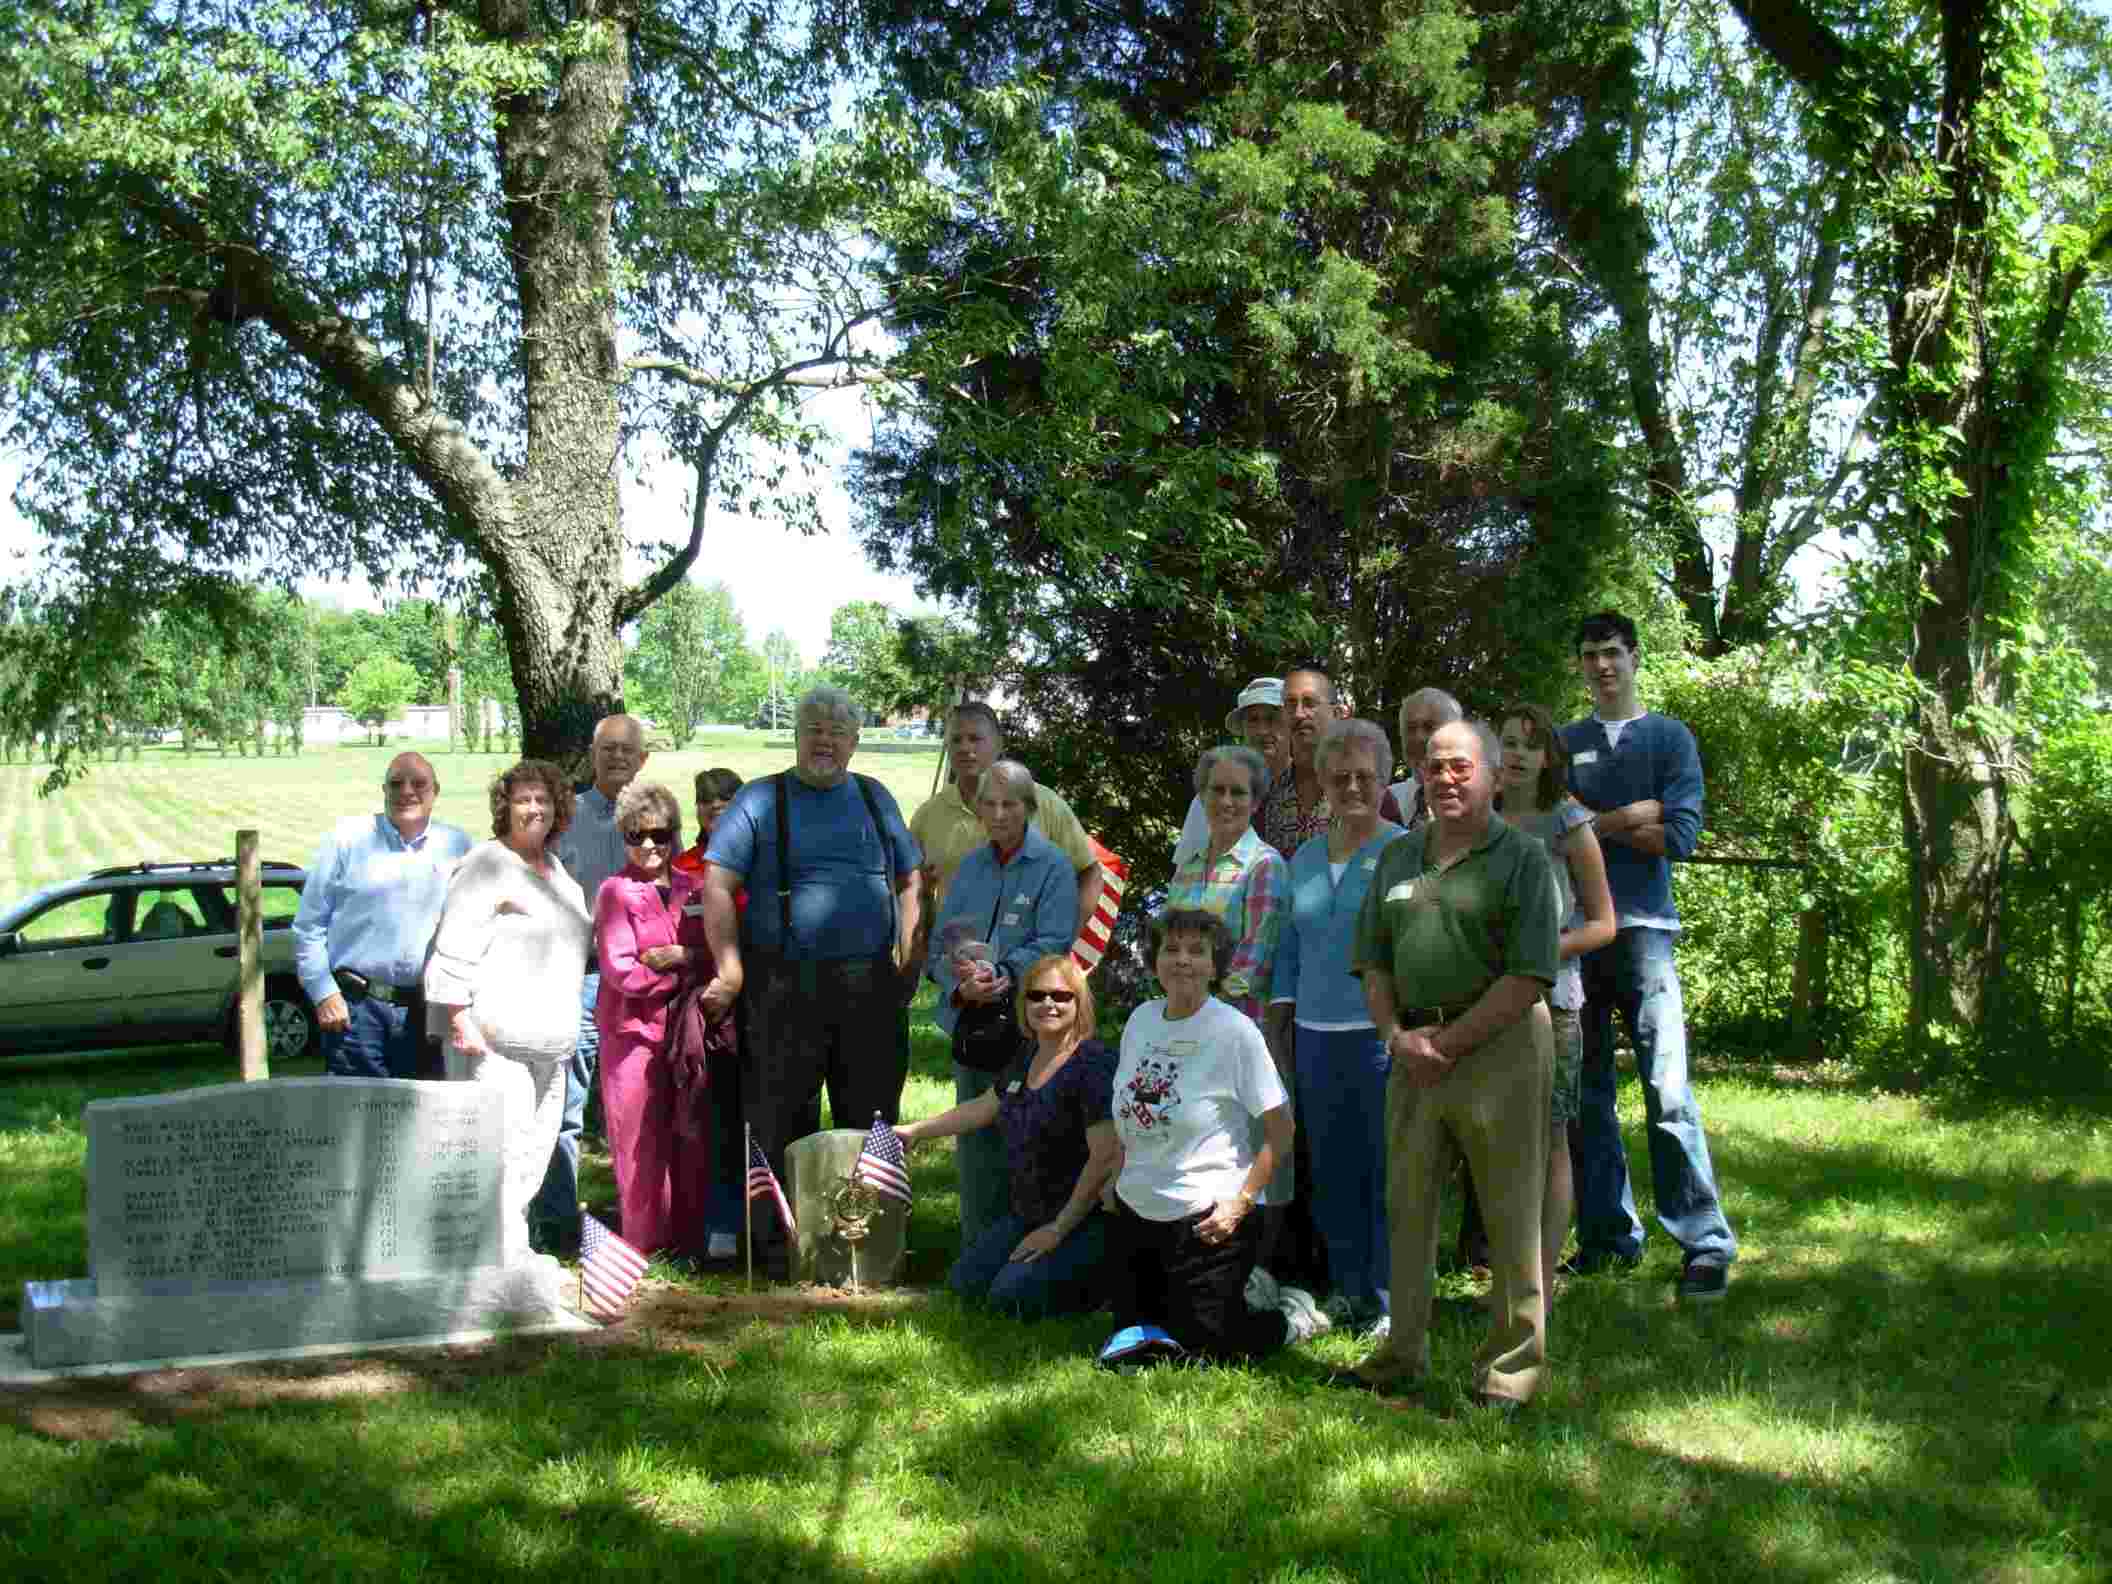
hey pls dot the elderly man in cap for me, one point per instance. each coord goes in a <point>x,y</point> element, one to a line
<point>367,915</point>
<point>1256,719</point>
<point>947,827</point>
<point>1457,940</point>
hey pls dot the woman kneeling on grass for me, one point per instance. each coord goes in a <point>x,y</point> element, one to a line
<point>1052,1108</point>
<point>1194,1086</point>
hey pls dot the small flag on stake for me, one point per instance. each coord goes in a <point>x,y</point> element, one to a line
<point>762,1184</point>
<point>609,1269</point>
<point>882,1163</point>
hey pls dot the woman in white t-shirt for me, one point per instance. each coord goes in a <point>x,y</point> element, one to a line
<point>1193,1089</point>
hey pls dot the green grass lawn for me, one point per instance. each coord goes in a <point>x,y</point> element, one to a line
<point>171,807</point>
<point>1908,1381</point>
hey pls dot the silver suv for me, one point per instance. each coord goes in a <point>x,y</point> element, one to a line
<point>145,953</point>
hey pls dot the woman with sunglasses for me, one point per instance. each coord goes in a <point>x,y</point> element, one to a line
<point>1054,1110</point>
<point>647,936</point>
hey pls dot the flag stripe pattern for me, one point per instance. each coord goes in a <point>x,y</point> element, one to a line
<point>609,1268</point>
<point>882,1163</point>
<point>1099,930</point>
<point>762,1184</point>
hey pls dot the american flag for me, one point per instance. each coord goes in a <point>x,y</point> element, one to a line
<point>882,1163</point>
<point>609,1268</point>
<point>762,1184</point>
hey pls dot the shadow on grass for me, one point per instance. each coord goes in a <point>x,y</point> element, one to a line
<point>1906,1381</point>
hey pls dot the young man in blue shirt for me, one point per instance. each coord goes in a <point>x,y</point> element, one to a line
<point>1641,774</point>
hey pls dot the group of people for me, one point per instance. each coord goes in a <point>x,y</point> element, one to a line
<point>1363,985</point>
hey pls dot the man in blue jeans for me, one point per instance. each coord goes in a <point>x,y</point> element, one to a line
<point>1641,774</point>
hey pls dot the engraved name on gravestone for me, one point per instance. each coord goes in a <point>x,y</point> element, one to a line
<point>336,1177</point>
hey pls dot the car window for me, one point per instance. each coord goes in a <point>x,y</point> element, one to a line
<point>281,902</point>
<point>166,913</point>
<point>78,921</point>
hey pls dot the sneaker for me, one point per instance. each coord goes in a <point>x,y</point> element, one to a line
<point>1305,1317</point>
<point>722,1246</point>
<point>1703,1283</point>
<point>1381,1328</point>
<point>1263,1292</point>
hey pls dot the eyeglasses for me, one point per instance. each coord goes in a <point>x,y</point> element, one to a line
<point>404,784</point>
<point>1460,769</point>
<point>1060,997</point>
<point>658,836</point>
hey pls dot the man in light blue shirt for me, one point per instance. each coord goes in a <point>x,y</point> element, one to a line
<point>592,850</point>
<point>368,910</point>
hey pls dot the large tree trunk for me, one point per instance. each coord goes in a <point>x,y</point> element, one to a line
<point>556,549</point>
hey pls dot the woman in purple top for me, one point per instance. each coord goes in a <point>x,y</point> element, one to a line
<point>1056,1112</point>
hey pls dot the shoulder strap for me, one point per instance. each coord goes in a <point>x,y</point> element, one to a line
<point>887,865</point>
<point>784,864</point>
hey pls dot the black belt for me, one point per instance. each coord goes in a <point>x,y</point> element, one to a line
<point>1443,1012</point>
<point>357,986</point>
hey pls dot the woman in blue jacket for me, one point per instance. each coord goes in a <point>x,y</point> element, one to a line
<point>1013,901</point>
<point>1340,1065</point>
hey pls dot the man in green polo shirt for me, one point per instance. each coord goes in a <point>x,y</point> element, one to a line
<point>1455,944</point>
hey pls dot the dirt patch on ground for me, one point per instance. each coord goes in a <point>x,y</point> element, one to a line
<point>662,1316</point>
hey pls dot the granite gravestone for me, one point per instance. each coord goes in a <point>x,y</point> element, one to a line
<point>832,1216</point>
<point>286,1213</point>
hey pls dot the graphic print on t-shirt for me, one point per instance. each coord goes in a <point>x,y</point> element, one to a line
<point>1153,1092</point>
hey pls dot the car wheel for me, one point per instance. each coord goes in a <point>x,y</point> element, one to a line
<point>290,1029</point>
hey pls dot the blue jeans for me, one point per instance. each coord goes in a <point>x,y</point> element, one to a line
<point>380,1041</point>
<point>1342,1112</point>
<point>1065,1281</point>
<point>556,1203</point>
<point>985,1174</point>
<point>1636,975</point>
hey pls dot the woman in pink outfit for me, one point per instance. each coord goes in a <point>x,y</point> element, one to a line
<point>647,937</point>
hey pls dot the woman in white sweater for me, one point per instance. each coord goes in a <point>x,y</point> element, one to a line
<point>505,974</point>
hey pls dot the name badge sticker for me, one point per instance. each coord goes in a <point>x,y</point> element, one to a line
<point>1403,891</point>
<point>1584,756</point>
<point>692,910</point>
<point>1015,1086</point>
<point>1009,919</point>
<point>1183,1049</point>
<point>1370,864</point>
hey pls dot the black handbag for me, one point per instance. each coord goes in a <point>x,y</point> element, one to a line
<point>985,1038</point>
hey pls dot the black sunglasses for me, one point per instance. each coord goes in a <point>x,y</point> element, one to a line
<point>1060,997</point>
<point>658,835</point>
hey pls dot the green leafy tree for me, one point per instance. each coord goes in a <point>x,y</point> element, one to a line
<point>688,659</point>
<point>1941,135</point>
<point>365,287</point>
<point>377,691</point>
<point>865,655</point>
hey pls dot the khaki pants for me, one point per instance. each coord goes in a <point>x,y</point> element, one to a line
<point>1493,1108</point>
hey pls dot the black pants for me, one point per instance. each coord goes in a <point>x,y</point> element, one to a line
<point>838,1023</point>
<point>1161,1273</point>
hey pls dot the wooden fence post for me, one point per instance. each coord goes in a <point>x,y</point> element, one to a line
<point>249,894</point>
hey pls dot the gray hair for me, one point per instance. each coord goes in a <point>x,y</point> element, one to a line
<point>1257,768</point>
<point>649,798</point>
<point>832,703</point>
<point>1008,775</point>
<point>1447,705</point>
<point>1485,734</point>
<point>1341,734</point>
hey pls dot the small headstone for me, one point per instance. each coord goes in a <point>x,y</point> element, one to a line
<point>243,1217</point>
<point>819,1167</point>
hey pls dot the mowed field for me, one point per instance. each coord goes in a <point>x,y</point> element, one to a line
<point>169,807</point>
